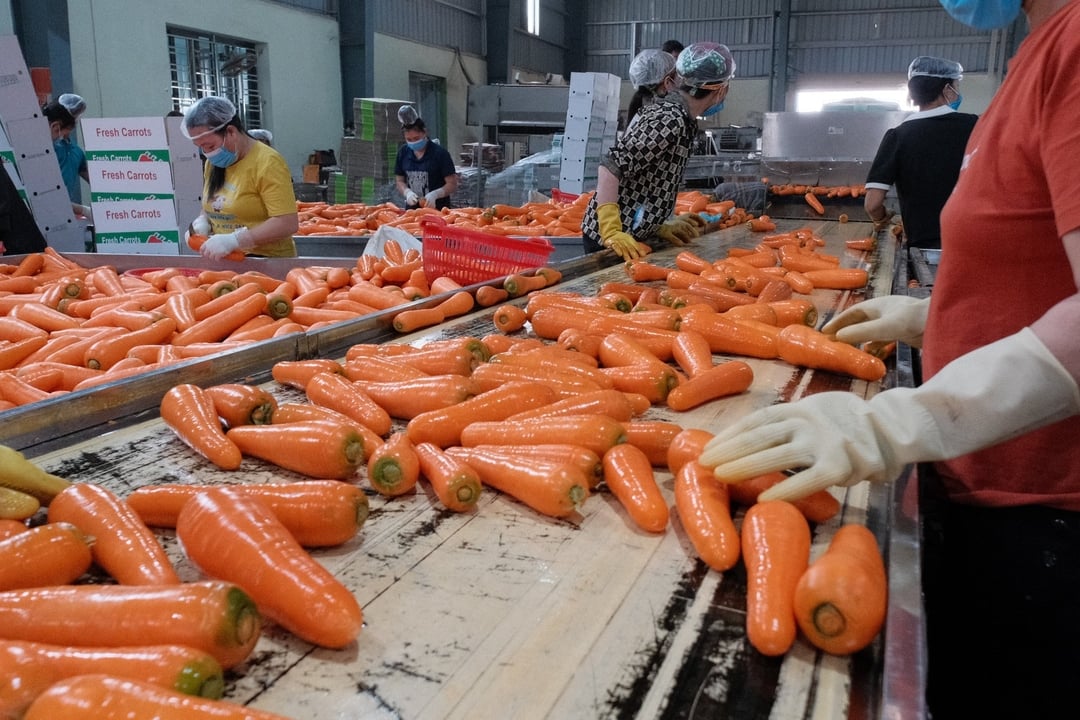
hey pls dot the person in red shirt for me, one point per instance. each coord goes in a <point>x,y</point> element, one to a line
<point>999,411</point>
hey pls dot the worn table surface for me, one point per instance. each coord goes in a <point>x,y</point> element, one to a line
<point>504,613</point>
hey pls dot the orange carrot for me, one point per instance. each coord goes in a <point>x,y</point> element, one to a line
<point>818,507</point>
<point>216,617</point>
<point>841,598</point>
<point>629,475</point>
<point>517,284</point>
<point>239,404</point>
<point>316,448</point>
<point>318,513</point>
<point>51,554</point>
<point>729,336</point>
<point>443,427</point>
<point>838,278</point>
<point>457,304</point>
<point>414,319</point>
<point>298,373</point>
<point>189,412</point>
<point>489,295</point>
<point>598,433</point>
<point>509,318</point>
<point>339,393</point>
<point>555,454</point>
<point>218,326</point>
<point>197,241</point>
<point>704,509</point>
<point>288,585</point>
<point>806,347</point>
<point>652,437</point>
<point>553,488</point>
<point>394,467</point>
<point>405,399</point>
<point>692,352</point>
<point>456,484</point>
<point>776,550</point>
<point>813,202</point>
<point>729,378</point>
<point>374,368</point>
<point>652,380</point>
<point>31,668</point>
<point>302,412</point>
<point>606,401</point>
<point>107,351</point>
<point>10,527</point>
<point>123,545</point>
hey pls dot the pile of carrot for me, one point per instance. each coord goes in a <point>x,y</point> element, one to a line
<point>829,191</point>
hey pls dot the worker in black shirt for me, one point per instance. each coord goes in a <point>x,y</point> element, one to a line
<point>922,155</point>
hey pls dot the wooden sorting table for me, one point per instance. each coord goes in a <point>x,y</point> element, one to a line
<point>503,613</point>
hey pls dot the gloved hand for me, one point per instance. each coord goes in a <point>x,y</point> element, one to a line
<point>883,223</point>
<point>992,394</point>
<point>201,225</point>
<point>680,230</point>
<point>693,219</point>
<point>612,235</point>
<point>411,199</point>
<point>218,246</point>
<point>886,318</point>
<point>434,196</point>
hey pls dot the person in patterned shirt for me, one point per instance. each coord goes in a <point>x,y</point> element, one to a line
<point>639,178</point>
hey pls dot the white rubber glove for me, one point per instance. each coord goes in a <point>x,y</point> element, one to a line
<point>218,246</point>
<point>434,196</point>
<point>411,199</point>
<point>885,318</point>
<point>989,395</point>
<point>201,225</point>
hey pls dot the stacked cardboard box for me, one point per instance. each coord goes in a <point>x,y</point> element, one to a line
<point>592,117</point>
<point>367,158</point>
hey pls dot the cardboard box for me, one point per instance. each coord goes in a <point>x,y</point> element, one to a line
<point>311,174</point>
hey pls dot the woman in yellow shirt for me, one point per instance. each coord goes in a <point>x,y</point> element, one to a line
<point>248,199</point>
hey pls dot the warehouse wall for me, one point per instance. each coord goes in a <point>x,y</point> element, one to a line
<point>396,58</point>
<point>120,63</point>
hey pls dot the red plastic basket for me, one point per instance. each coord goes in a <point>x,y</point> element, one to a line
<point>564,197</point>
<point>470,256</point>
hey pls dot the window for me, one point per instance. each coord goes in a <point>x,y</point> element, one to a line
<point>862,98</point>
<point>532,16</point>
<point>204,65</point>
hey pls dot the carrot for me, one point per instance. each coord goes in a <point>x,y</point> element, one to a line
<point>303,412</point>
<point>760,225</point>
<point>457,304</point>
<point>217,326</point>
<point>42,316</point>
<point>813,202</point>
<point>776,549</point>
<point>866,243</point>
<point>456,484</point>
<point>18,473</point>
<point>443,427</point>
<point>645,271</point>
<point>189,412</point>
<point>456,358</point>
<point>123,545</point>
<point>375,368</point>
<point>565,383</point>
<point>729,336</point>
<point>653,381</point>
<point>621,349</point>
<point>405,399</point>
<point>704,509</point>
<point>197,241</point>
<point>394,467</point>
<point>841,598</point>
<point>288,585</point>
<point>652,437</point>
<point>553,487</point>
<point>517,284</point>
<point>550,453</point>
<point>375,296</point>
<point>11,354</point>
<point>316,448</point>
<point>837,278</point>
<point>239,404</point>
<point>509,318</point>
<point>339,393</point>
<point>489,295</point>
<point>806,347</point>
<point>729,378</point>
<point>102,697</point>
<point>818,507</point>
<point>107,351</point>
<point>606,401</point>
<point>56,553</point>
<point>298,373</point>
<point>549,322</point>
<point>629,475</point>
<point>409,320</point>
<point>30,668</point>
<point>217,617</point>
<point>10,527</point>
<point>598,433</point>
<point>794,311</point>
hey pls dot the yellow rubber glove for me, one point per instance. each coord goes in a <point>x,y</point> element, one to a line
<point>679,231</point>
<point>612,235</point>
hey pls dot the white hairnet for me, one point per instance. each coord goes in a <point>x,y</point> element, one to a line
<point>211,112</point>
<point>264,135</point>
<point>650,67</point>
<point>928,66</point>
<point>407,115</point>
<point>73,103</point>
<point>705,64</point>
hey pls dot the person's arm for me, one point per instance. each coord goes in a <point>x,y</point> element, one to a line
<point>1057,327</point>
<point>273,229</point>
<point>607,187</point>
<point>451,184</point>
<point>874,204</point>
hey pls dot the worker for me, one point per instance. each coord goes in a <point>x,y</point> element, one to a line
<point>639,177</point>
<point>998,412</point>
<point>652,73</point>
<point>424,171</point>
<point>264,136</point>
<point>248,199</point>
<point>62,114</point>
<point>921,157</point>
<point>19,234</point>
<point>674,47</point>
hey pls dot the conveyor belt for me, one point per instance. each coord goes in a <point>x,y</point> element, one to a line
<point>503,613</point>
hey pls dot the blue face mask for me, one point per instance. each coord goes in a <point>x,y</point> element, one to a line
<point>713,109</point>
<point>221,158</point>
<point>955,104</point>
<point>983,14</point>
<point>417,145</point>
